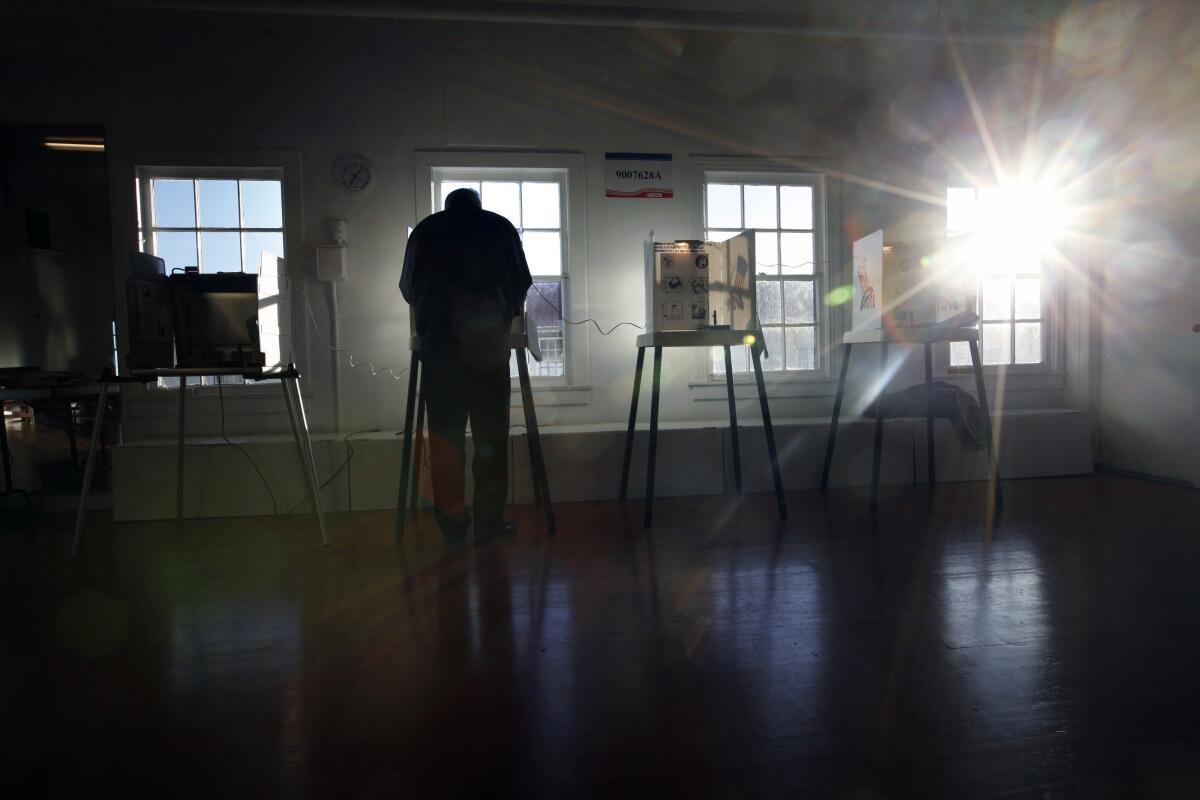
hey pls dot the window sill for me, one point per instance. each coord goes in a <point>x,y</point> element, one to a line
<point>816,386</point>
<point>556,394</point>
<point>1015,380</point>
<point>820,386</point>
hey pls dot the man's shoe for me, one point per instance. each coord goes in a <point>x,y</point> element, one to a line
<point>505,530</point>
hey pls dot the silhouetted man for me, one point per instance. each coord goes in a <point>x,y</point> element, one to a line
<point>465,277</point>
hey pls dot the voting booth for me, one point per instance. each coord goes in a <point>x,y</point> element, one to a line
<point>899,284</point>
<point>696,286</point>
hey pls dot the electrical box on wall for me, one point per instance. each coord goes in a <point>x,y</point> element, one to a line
<point>694,285</point>
<point>905,285</point>
<point>331,262</point>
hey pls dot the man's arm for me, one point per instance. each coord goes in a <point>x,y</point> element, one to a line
<point>519,278</point>
<point>408,277</point>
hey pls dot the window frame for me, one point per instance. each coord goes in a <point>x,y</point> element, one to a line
<point>810,172</point>
<point>573,387</point>
<point>1052,304</point>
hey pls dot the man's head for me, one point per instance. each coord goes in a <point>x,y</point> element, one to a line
<point>463,200</point>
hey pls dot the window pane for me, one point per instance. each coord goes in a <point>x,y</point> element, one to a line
<point>720,236</point>
<point>258,243</point>
<point>774,362</point>
<point>740,356</point>
<point>504,199</point>
<point>769,309</point>
<point>960,210</point>
<point>218,204</point>
<point>543,251</point>
<point>766,253</point>
<point>450,186</point>
<point>796,253</point>
<point>801,351</point>
<point>539,205</point>
<point>960,354</point>
<point>542,305</point>
<point>724,205</point>
<point>220,252</point>
<point>795,207</point>
<point>760,207</point>
<point>997,343</point>
<point>174,204</point>
<point>262,204</point>
<point>1029,343</point>
<point>797,301</point>
<point>177,249</point>
<point>1029,299</point>
<point>995,298</point>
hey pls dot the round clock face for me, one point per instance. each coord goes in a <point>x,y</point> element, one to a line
<point>352,173</point>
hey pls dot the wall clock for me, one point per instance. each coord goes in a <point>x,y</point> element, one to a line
<point>352,174</point>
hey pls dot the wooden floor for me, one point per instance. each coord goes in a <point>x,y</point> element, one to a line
<point>724,655</point>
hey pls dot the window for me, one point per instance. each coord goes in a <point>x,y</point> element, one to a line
<point>1005,249</point>
<point>534,202</point>
<point>217,224</point>
<point>221,220</point>
<point>783,211</point>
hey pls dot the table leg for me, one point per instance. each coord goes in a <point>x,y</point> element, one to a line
<point>993,466</point>
<point>733,424</point>
<point>756,354</point>
<point>537,459</point>
<point>878,452</point>
<point>637,386</point>
<point>648,513</point>
<point>310,462</point>
<point>179,448</point>
<point>418,447</point>
<point>414,365</point>
<point>89,470</point>
<point>837,413</point>
<point>72,439</point>
<point>6,454</point>
<point>929,413</point>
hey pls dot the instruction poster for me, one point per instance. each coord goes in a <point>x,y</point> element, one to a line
<point>683,274</point>
<point>638,176</point>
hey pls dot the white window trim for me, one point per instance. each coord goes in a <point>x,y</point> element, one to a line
<point>575,389</point>
<point>827,249</point>
<point>217,164</point>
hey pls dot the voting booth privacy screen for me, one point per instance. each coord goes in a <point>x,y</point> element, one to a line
<point>899,284</point>
<point>694,285</point>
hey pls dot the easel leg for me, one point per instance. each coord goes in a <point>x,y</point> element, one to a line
<point>537,460</point>
<point>733,425</point>
<point>993,465</point>
<point>526,407</point>
<point>418,447</point>
<point>291,411</point>
<point>89,470</point>
<point>179,449</point>
<point>929,413</point>
<point>648,513</point>
<point>310,463</point>
<point>756,354</point>
<point>414,364</point>
<point>877,455</point>
<point>637,386</point>
<point>837,413</point>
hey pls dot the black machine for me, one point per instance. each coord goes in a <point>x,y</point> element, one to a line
<point>215,318</point>
<point>191,319</point>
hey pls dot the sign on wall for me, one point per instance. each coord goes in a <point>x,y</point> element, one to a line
<point>638,175</point>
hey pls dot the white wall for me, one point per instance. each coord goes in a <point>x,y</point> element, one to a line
<point>307,89</point>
